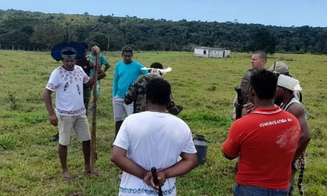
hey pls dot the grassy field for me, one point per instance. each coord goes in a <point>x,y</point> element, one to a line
<point>28,161</point>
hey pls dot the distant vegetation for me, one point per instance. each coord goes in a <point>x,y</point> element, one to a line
<point>39,31</point>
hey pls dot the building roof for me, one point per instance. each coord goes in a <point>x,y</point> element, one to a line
<point>203,47</point>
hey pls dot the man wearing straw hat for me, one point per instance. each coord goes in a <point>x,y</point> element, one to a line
<point>282,68</point>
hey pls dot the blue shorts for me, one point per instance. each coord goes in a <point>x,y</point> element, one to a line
<point>241,190</point>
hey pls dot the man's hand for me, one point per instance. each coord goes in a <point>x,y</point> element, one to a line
<point>149,180</point>
<point>249,107</point>
<point>119,158</point>
<point>101,74</point>
<point>161,177</point>
<point>127,100</point>
<point>53,119</point>
<point>91,81</point>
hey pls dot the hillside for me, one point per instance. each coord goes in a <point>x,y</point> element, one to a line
<point>39,31</point>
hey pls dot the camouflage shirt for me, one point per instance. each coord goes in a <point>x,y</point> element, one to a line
<point>137,93</point>
<point>245,86</point>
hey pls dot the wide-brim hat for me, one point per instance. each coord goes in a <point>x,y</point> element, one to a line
<point>279,67</point>
<point>74,50</point>
<point>289,83</point>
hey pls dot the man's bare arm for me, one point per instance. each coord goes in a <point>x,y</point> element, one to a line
<point>229,156</point>
<point>187,163</point>
<point>299,112</point>
<point>47,100</point>
<point>91,81</point>
<point>119,158</point>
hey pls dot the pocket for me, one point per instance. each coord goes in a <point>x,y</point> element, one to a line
<point>64,118</point>
<point>84,116</point>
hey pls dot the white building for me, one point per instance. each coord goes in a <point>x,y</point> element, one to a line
<point>211,52</point>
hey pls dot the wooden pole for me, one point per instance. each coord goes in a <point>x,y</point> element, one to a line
<point>93,155</point>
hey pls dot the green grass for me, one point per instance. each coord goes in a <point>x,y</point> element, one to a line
<point>28,161</point>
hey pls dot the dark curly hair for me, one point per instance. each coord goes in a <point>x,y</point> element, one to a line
<point>264,84</point>
<point>158,91</point>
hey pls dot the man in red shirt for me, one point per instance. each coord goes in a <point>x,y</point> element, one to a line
<point>265,141</point>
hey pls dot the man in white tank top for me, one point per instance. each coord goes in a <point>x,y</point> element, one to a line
<point>285,97</point>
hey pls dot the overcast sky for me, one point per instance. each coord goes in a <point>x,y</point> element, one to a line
<point>273,12</point>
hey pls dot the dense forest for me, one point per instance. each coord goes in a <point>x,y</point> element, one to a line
<point>39,31</point>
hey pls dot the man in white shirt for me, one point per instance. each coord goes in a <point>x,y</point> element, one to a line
<point>67,83</point>
<point>153,138</point>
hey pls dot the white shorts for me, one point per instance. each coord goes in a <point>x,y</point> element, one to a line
<point>66,125</point>
<point>120,109</point>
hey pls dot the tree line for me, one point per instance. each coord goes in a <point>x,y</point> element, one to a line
<point>26,30</point>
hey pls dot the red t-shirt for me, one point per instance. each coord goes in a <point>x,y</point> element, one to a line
<point>266,141</point>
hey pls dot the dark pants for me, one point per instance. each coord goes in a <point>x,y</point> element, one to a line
<point>241,190</point>
<point>86,96</point>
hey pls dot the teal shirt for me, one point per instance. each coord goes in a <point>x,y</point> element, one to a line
<point>102,61</point>
<point>104,65</point>
<point>124,76</point>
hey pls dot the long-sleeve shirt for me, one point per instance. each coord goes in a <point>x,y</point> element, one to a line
<point>124,76</point>
<point>137,94</point>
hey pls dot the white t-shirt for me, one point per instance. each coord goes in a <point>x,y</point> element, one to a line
<point>152,139</point>
<point>68,86</point>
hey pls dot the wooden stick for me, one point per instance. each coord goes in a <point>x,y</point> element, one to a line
<point>93,154</point>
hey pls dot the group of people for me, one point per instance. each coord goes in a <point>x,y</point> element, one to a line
<point>271,137</point>
<point>268,139</point>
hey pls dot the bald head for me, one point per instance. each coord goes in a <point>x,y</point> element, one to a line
<point>258,60</point>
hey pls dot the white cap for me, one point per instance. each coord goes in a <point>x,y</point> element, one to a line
<point>158,71</point>
<point>289,83</point>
